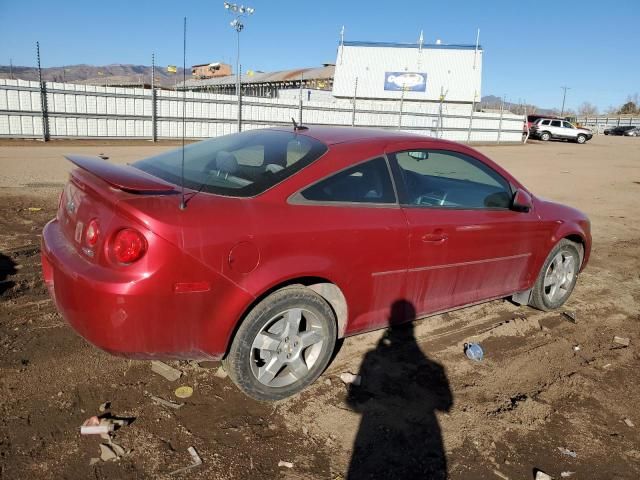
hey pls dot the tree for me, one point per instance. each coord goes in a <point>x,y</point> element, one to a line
<point>628,108</point>
<point>587,108</point>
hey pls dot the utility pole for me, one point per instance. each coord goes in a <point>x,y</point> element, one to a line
<point>238,11</point>
<point>564,97</point>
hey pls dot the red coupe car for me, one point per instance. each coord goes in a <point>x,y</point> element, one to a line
<point>263,248</point>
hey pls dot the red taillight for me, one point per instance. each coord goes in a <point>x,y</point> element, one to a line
<point>93,231</point>
<point>128,245</point>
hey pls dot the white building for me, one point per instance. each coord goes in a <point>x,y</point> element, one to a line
<point>425,72</point>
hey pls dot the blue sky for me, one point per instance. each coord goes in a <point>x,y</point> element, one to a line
<point>529,52</point>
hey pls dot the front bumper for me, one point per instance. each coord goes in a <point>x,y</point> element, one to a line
<point>139,315</point>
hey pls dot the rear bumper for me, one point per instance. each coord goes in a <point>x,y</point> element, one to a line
<point>137,314</point>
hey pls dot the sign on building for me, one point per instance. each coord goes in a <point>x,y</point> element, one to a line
<point>407,81</point>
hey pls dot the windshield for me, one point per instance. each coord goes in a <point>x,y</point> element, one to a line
<point>242,164</point>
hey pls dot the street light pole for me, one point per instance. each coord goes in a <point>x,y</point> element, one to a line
<point>238,11</point>
<point>564,96</point>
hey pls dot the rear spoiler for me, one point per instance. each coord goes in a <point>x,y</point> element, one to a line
<point>124,177</point>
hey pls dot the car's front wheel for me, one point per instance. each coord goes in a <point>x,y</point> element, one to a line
<point>545,136</point>
<point>557,277</point>
<point>283,345</point>
<point>581,139</point>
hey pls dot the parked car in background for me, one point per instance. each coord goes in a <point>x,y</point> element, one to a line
<point>546,129</point>
<point>263,248</point>
<point>532,118</point>
<point>626,130</point>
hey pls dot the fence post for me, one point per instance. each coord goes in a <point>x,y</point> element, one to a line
<point>473,107</point>
<point>500,122</point>
<point>355,95</point>
<point>401,107</point>
<point>154,131</point>
<point>300,108</point>
<point>43,99</point>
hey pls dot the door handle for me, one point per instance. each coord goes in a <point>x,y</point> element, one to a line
<point>435,237</point>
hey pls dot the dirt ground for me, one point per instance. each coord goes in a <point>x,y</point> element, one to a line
<point>549,395</point>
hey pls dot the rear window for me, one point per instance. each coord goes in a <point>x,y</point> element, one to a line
<point>243,164</point>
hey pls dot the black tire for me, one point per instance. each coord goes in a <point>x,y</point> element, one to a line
<point>540,298</point>
<point>581,139</point>
<point>545,136</point>
<point>241,362</point>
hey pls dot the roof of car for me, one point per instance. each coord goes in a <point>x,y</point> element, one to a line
<point>335,135</point>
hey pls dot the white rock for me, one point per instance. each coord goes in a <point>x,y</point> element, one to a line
<point>285,464</point>
<point>106,453</point>
<point>348,378</point>
<point>165,370</point>
<point>543,476</point>
<point>221,373</point>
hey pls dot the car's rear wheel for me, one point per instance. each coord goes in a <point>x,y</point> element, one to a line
<point>545,136</point>
<point>283,345</point>
<point>557,277</point>
<point>581,139</point>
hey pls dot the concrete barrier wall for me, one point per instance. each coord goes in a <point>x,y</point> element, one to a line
<point>88,111</point>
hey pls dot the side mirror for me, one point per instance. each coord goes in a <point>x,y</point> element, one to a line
<point>521,201</point>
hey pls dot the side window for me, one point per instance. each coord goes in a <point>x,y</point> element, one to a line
<point>450,180</point>
<point>368,182</point>
<point>567,125</point>
<point>556,123</point>
<point>545,122</point>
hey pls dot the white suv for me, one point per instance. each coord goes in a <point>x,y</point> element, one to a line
<point>546,129</point>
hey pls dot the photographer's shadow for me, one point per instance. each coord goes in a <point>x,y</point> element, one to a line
<point>401,391</point>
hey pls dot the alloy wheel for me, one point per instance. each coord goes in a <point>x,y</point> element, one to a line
<point>559,276</point>
<point>287,347</point>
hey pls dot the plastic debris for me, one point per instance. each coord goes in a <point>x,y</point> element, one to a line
<point>183,392</point>
<point>350,378</point>
<point>34,209</point>
<point>566,451</point>
<point>540,475</point>
<point>566,474</point>
<point>629,423</point>
<point>104,407</point>
<point>96,429</point>
<point>221,373</point>
<point>473,351</point>
<point>107,453</point>
<point>95,426</point>
<point>165,370</point>
<point>571,316</point>
<point>166,403</point>
<point>285,464</point>
<point>624,341</point>
<point>195,461</point>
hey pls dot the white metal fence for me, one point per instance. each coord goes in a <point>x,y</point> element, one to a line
<point>87,111</point>
<point>599,123</point>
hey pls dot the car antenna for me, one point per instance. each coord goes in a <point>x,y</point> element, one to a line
<point>183,204</point>
<point>297,127</point>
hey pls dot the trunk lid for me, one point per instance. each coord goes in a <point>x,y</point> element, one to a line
<point>96,193</point>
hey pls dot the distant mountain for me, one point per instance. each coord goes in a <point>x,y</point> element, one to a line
<point>97,75</point>
<point>492,102</point>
